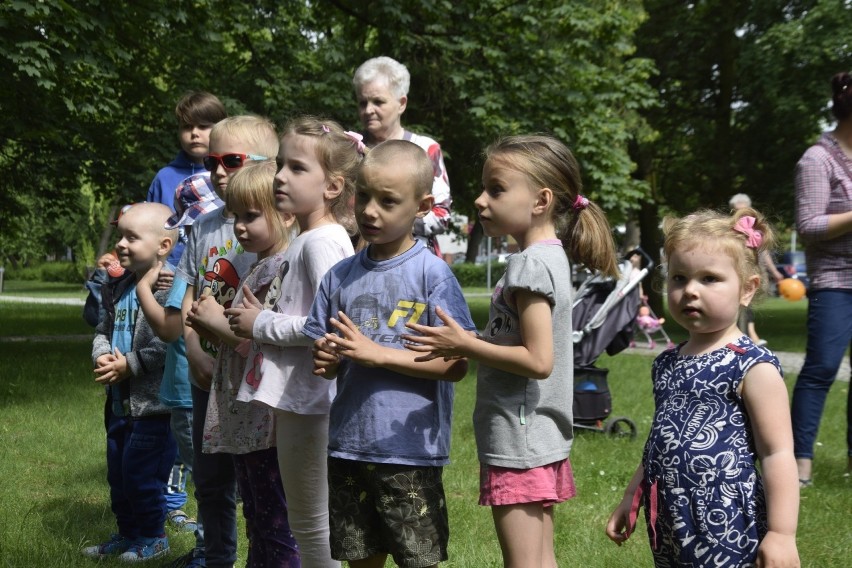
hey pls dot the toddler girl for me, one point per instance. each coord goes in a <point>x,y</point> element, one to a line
<point>247,431</point>
<point>721,405</point>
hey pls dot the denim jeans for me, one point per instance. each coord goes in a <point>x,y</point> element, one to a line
<point>215,491</point>
<point>140,454</point>
<point>829,334</point>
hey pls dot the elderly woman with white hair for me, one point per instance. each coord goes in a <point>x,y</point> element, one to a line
<point>381,88</point>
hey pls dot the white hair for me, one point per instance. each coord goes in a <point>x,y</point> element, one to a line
<point>391,70</point>
<point>740,199</point>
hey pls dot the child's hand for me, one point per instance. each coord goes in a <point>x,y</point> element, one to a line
<point>778,551</point>
<point>150,278</point>
<point>165,278</point>
<point>326,359</point>
<point>241,318</point>
<point>111,368</point>
<point>204,312</point>
<point>353,343</point>
<point>448,341</point>
<point>619,528</point>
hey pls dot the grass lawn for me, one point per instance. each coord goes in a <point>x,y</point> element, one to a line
<point>54,497</point>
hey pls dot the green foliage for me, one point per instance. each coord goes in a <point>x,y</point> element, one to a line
<point>469,274</point>
<point>93,85</point>
<point>58,271</point>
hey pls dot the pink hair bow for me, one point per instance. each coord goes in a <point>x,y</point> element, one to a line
<point>358,139</point>
<point>745,225</point>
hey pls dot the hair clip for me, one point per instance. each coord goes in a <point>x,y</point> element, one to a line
<point>580,203</point>
<point>745,225</point>
<point>358,139</point>
<point>325,129</point>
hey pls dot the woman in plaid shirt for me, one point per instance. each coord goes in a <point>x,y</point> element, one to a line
<point>824,220</point>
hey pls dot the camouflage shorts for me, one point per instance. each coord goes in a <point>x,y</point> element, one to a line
<point>387,508</point>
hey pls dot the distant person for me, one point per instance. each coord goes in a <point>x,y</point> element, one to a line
<point>824,220</point>
<point>129,361</point>
<point>746,321</point>
<point>381,89</point>
<point>720,407</point>
<point>523,418</point>
<point>196,113</point>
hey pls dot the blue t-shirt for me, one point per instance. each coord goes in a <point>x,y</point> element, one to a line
<point>175,391</point>
<point>378,415</point>
<point>126,310</point>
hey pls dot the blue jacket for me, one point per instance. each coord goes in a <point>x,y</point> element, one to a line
<point>165,183</point>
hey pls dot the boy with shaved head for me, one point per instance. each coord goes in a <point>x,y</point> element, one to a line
<point>389,426</point>
<point>129,359</point>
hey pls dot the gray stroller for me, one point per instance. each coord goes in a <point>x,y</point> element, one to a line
<point>604,316</point>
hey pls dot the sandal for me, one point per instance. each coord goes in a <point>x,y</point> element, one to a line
<point>803,483</point>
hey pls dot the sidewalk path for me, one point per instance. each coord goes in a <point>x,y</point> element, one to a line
<point>790,362</point>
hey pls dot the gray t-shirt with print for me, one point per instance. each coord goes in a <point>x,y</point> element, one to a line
<point>520,422</point>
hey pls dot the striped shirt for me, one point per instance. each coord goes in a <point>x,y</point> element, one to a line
<point>824,188</point>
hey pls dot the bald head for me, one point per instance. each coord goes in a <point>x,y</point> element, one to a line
<point>144,240</point>
<point>406,156</point>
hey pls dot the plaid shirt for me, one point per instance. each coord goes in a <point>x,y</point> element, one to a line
<point>824,188</point>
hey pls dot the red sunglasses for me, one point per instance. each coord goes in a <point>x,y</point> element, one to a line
<point>229,161</point>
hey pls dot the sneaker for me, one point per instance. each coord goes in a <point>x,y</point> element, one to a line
<point>192,559</point>
<point>114,546</point>
<point>181,521</point>
<point>144,549</point>
<point>761,342</point>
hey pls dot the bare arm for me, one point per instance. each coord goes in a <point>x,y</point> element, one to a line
<point>200,362</point>
<point>619,526</point>
<point>533,358</point>
<point>767,404</point>
<point>167,323</point>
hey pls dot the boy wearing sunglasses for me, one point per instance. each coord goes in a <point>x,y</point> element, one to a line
<point>196,113</point>
<point>213,264</point>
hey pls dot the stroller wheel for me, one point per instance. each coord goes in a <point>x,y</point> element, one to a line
<point>620,427</point>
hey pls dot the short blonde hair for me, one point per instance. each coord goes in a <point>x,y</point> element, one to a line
<point>257,132</point>
<point>251,188</point>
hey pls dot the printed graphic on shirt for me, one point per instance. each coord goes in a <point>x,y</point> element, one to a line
<point>125,320</point>
<point>273,292</point>
<point>375,322</point>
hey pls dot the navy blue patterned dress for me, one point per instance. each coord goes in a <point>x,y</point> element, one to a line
<point>703,497</point>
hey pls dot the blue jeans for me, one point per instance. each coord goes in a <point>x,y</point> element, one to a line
<point>829,334</point>
<point>140,455</point>
<point>215,491</point>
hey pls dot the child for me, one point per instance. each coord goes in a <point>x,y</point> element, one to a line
<point>129,361</point>
<point>523,414</point>
<point>196,113</point>
<point>194,197</point>
<point>213,263</point>
<point>721,405</point>
<point>246,430</point>
<point>389,431</point>
<point>317,163</point>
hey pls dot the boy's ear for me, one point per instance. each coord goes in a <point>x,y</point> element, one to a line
<point>334,188</point>
<point>166,244</point>
<point>425,205</point>
<point>543,201</point>
<point>750,287</point>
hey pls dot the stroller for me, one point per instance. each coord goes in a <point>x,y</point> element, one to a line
<point>604,318</point>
